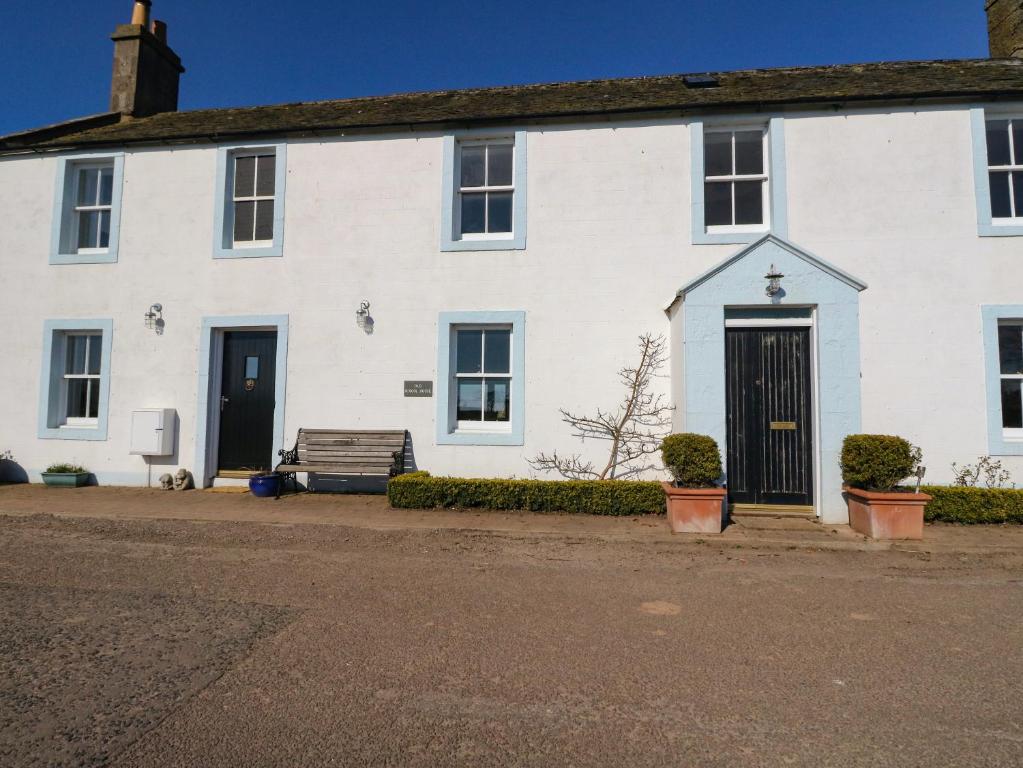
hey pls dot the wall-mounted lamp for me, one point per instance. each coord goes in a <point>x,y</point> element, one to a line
<point>363,319</point>
<point>773,278</point>
<point>154,318</point>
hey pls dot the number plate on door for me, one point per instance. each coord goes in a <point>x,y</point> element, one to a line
<point>783,425</point>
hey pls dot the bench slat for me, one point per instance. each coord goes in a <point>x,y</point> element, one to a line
<point>334,469</point>
<point>361,432</point>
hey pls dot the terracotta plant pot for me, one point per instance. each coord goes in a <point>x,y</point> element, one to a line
<point>694,510</point>
<point>887,515</point>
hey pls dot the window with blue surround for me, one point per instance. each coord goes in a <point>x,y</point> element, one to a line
<point>1003,353</point>
<point>249,220</point>
<point>480,378</point>
<point>998,171</point>
<point>738,180</point>
<point>87,209</point>
<point>484,194</point>
<point>75,379</point>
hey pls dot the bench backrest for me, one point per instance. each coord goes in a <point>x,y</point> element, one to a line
<point>329,446</point>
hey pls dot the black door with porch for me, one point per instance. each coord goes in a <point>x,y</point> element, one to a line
<point>770,424</point>
<point>247,401</point>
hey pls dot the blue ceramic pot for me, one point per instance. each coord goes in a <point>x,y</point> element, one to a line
<point>266,485</point>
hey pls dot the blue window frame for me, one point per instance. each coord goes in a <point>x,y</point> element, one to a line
<point>249,217</point>
<point>86,222</point>
<point>481,387</point>
<point>1003,366</point>
<point>747,175</point>
<point>74,385</point>
<point>998,171</point>
<point>484,191</point>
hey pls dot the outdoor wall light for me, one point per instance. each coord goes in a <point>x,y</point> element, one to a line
<point>154,318</point>
<point>773,278</point>
<point>362,317</point>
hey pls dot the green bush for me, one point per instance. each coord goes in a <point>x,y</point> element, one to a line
<point>693,460</point>
<point>66,469</point>
<point>418,490</point>
<point>877,462</point>
<point>956,504</point>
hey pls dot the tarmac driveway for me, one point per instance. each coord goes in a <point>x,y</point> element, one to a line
<point>167,642</point>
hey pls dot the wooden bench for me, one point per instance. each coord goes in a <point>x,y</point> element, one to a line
<point>345,452</point>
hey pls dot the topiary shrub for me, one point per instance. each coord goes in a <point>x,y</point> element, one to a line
<point>694,461</point>
<point>418,490</point>
<point>877,462</point>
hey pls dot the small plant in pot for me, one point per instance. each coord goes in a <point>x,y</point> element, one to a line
<point>872,468</point>
<point>695,500</point>
<point>266,484</point>
<point>65,476</point>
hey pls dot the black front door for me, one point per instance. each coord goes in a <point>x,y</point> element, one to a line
<point>770,428</point>
<point>247,400</point>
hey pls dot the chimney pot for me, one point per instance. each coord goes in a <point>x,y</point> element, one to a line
<point>140,13</point>
<point>160,31</point>
<point>1005,28</point>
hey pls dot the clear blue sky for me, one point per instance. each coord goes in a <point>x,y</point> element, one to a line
<point>55,56</point>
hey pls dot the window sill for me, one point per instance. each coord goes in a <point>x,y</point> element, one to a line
<point>991,229</point>
<point>249,252</point>
<point>473,437</point>
<point>65,432</point>
<point>97,256</point>
<point>729,235</point>
<point>512,243</point>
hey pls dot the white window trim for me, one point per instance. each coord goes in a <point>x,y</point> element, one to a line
<point>486,188</point>
<point>987,226</point>
<point>224,246</point>
<point>53,420</point>
<point>1010,169</point>
<point>482,425</point>
<point>765,197</point>
<point>77,210</point>
<point>93,378</point>
<point>1009,433</point>
<point>64,225</point>
<point>254,198</point>
<point>775,194</point>
<point>1001,441</point>
<point>451,237</point>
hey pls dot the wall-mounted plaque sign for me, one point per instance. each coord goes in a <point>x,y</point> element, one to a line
<point>418,389</point>
<point>783,425</point>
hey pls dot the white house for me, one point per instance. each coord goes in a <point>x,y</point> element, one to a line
<point>507,246</point>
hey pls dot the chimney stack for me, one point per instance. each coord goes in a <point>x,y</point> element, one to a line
<point>146,70</point>
<point>1005,28</point>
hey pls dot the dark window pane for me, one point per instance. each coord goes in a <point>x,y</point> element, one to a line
<point>88,181</point>
<point>75,355</point>
<point>469,352</point>
<point>265,175</point>
<point>244,176</point>
<point>1001,208</point>
<point>1017,141</point>
<point>106,186</point>
<point>749,202</point>
<point>717,154</point>
<point>93,389</point>
<point>473,213</point>
<point>252,367</point>
<point>497,401</point>
<point>1012,404</point>
<point>265,220</point>
<point>998,142</point>
<point>717,200</point>
<point>88,225</point>
<point>749,152</point>
<point>500,212</point>
<point>104,229</point>
<point>497,352</point>
<point>95,353</point>
<point>472,166</point>
<point>470,399</point>
<point>1017,191</point>
<point>499,171</point>
<point>1010,348</point>
<point>77,398</point>
<point>244,216</point>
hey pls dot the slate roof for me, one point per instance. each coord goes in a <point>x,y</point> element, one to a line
<point>973,79</point>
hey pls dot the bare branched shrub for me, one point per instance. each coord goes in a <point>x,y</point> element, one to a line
<point>634,430</point>
<point>987,469</point>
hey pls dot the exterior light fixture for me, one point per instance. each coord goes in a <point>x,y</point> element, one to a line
<point>773,278</point>
<point>363,318</point>
<point>154,318</point>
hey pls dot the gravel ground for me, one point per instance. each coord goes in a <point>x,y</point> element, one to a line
<point>166,642</point>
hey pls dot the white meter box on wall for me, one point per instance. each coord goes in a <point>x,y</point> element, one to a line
<point>152,432</point>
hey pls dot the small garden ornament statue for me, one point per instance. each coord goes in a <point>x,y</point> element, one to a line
<point>183,480</point>
<point>167,481</point>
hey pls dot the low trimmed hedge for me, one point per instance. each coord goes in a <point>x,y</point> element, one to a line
<point>419,490</point>
<point>958,504</point>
